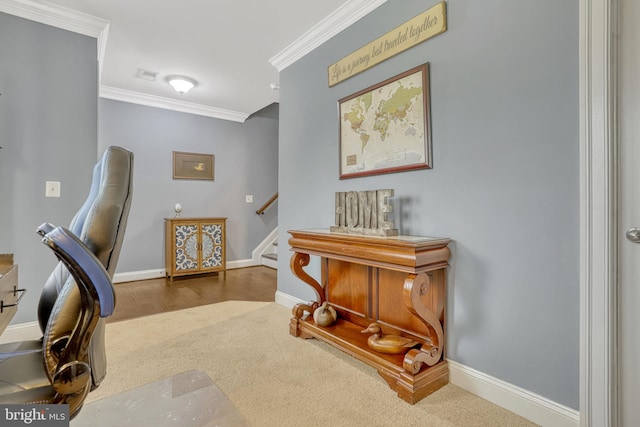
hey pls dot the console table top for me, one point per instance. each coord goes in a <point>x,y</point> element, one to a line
<point>196,218</point>
<point>406,253</point>
<point>385,240</point>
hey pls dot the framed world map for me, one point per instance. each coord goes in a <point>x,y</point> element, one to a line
<point>386,127</point>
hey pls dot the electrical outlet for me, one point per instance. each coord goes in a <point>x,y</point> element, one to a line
<point>52,189</point>
<point>248,198</point>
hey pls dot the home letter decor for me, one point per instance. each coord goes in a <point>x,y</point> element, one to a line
<point>364,212</point>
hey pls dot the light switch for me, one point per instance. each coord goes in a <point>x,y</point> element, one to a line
<point>248,198</point>
<point>52,189</point>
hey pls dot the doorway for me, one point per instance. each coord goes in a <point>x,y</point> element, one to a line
<point>628,219</point>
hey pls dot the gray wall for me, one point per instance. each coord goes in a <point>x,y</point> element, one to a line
<point>246,162</point>
<point>504,186</point>
<point>48,131</point>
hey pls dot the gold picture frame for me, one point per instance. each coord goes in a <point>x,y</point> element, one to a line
<point>386,127</point>
<point>193,165</point>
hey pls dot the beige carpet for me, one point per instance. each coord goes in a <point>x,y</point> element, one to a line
<point>273,378</point>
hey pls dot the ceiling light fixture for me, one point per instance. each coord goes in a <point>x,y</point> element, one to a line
<point>182,84</point>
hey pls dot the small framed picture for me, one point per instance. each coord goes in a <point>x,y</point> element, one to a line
<point>193,165</point>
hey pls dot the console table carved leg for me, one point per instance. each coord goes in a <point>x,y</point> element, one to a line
<point>417,288</point>
<point>297,263</point>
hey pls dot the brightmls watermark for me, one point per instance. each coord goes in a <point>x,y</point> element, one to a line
<point>34,415</point>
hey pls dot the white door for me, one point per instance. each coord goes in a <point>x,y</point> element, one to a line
<point>629,215</point>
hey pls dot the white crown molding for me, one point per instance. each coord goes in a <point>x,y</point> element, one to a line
<point>81,23</point>
<point>60,17</point>
<point>133,97</point>
<point>337,21</point>
<point>102,48</point>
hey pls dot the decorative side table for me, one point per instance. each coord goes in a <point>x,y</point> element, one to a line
<point>194,245</point>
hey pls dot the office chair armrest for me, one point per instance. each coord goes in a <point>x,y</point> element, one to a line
<point>89,273</point>
<point>45,228</point>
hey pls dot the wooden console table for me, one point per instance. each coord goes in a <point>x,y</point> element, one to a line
<point>398,282</point>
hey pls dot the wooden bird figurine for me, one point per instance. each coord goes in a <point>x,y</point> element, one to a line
<point>325,315</point>
<point>390,344</point>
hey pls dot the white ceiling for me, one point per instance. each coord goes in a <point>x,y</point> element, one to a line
<point>233,48</point>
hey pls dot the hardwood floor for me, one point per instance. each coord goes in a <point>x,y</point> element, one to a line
<point>137,299</point>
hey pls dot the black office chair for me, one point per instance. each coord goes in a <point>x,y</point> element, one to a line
<point>100,224</point>
<point>60,372</point>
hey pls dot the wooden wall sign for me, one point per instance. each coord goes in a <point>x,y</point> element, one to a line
<point>364,212</point>
<point>415,31</point>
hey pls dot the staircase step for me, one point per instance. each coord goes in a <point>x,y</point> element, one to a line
<point>271,256</point>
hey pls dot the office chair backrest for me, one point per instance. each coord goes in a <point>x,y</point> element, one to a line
<point>100,224</point>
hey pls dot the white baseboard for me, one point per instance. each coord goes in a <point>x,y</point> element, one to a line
<point>157,273</point>
<point>132,276</point>
<point>21,332</point>
<point>241,263</point>
<point>287,300</point>
<point>531,406</point>
<point>268,262</point>
<point>264,246</point>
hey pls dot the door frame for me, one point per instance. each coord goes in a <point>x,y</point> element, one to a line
<point>598,172</point>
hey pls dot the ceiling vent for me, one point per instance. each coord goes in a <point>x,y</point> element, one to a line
<point>147,75</point>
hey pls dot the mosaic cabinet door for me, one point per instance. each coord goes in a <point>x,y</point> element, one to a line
<point>211,249</point>
<point>195,245</point>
